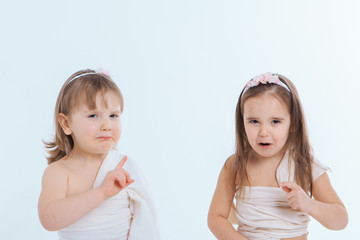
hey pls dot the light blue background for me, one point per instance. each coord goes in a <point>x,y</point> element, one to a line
<point>181,66</point>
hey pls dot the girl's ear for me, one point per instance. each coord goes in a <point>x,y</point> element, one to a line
<point>63,120</point>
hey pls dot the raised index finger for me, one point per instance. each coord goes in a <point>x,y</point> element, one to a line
<point>121,163</point>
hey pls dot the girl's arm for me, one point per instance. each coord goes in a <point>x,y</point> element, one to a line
<point>221,205</point>
<point>56,211</point>
<point>326,207</point>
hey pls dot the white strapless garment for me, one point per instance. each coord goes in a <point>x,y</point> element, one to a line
<point>263,213</point>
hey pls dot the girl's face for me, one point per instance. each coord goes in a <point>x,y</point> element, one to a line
<point>96,131</point>
<point>267,124</point>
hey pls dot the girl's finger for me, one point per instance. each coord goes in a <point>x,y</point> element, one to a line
<point>286,189</point>
<point>123,172</point>
<point>290,185</point>
<point>130,182</point>
<point>121,179</point>
<point>127,175</point>
<point>121,163</point>
<point>292,193</point>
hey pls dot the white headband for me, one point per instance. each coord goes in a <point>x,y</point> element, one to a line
<point>81,75</point>
<point>99,71</point>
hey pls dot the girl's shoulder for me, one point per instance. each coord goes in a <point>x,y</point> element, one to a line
<point>58,169</point>
<point>61,164</point>
<point>230,162</point>
<point>318,169</point>
<point>55,180</point>
<point>229,170</point>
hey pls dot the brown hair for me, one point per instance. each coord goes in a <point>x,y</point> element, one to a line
<point>297,143</point>
<point>80,88</point>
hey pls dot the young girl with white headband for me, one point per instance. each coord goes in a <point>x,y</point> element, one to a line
<point>273,176</point>
<point>90,190</point>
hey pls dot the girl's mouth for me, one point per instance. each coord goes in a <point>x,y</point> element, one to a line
<point>104,138</point>
<point>264,145</point>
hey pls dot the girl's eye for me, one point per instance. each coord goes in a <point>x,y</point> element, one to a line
<point>114,115</point>
<point>276,121</point>
<point>93,115</point>
<point>253,121</point>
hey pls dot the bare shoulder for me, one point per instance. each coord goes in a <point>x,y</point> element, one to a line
<point>228,173</point>
<point>230,163</point>
<point>56,170</point>
<point>54,181</point>
<point>322,183</point>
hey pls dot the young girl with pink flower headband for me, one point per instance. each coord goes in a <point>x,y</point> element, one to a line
<point>273,177</point>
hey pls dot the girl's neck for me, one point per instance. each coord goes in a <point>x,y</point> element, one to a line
<point>258,159</point>
<point>85,157</point>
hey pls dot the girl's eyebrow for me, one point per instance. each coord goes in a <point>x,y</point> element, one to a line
<point>97,111</point>
<point>248,118</point>
<point>280,118</point>
<point>90,111</point>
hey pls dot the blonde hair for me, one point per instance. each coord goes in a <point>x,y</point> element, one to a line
<point>297,143</point>
<point>80,88</point>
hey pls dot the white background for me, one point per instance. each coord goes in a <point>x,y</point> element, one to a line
<point>181,66</point>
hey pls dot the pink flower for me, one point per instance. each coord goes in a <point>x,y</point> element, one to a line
<point>104,71</point>
<point>263,79</point>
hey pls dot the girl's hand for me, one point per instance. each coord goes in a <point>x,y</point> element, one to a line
<point>116,180</point>
<point>296,196</point>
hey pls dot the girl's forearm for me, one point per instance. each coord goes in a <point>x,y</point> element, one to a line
<point>331,215</point>
<point>63,212</point>
<point>223,229</point>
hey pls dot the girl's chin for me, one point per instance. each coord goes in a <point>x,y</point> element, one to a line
<point>267,152</point>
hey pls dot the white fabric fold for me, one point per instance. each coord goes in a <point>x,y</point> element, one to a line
<point>130,215</point>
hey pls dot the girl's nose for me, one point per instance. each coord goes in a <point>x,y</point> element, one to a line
<point>106,126</point>
<point>263,131</point>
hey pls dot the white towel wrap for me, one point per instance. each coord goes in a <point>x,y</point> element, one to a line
<point>130,215</point>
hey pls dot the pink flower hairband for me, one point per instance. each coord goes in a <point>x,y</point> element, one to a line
<point>265,78</point>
